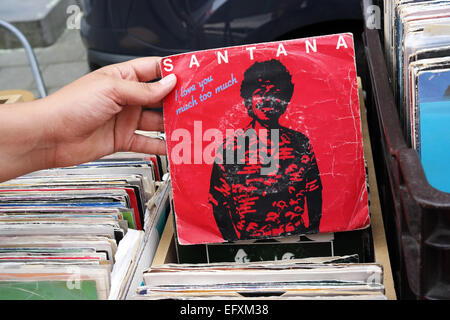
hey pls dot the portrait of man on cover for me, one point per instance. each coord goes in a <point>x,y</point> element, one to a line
<point>288,200</point>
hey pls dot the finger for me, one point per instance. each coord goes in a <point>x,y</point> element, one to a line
<point>143,144</point>
<point>140,69</point>
<point>151,121</point>
<point>131,93</point>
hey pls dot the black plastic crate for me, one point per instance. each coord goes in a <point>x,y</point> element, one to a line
<point>416,215</point>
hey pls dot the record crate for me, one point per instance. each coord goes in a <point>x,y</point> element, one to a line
<point>416,215</point>
<point>167,251</point>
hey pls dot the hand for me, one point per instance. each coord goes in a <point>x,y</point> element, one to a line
<point>94,116</point>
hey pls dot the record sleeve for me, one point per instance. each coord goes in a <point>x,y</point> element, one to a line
<point>264,140</point>
<point>433,118</point>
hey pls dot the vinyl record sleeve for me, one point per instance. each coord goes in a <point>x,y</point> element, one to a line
<point>418,35</point>
<point>433,115</point>
<point>412,90</point>
<point>264,140</point>
<point>57,194</point>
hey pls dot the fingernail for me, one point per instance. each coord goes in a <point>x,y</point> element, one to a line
<point>169,80</point>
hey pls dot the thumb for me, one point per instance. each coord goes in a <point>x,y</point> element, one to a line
<point>132,93</point>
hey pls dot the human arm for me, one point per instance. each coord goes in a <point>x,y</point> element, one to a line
<point>313,193</point>
<point>220,197</point>
<point>94,116</point>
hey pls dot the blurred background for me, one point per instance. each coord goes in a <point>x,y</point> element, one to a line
<point>72,37</point>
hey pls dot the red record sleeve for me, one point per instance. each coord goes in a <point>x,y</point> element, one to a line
<point>265,140</point>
